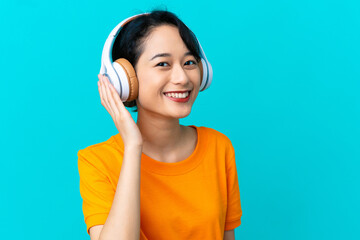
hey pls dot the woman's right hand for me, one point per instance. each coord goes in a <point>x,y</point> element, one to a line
<point>110,99</point>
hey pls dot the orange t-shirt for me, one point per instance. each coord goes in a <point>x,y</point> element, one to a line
<point>196,198</point>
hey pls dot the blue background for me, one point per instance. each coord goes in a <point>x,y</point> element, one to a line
<point>285,91</point>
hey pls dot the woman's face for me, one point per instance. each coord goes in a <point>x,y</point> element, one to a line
<point>166,65</point>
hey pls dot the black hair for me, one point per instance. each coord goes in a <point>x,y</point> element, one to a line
<point>129,42</point>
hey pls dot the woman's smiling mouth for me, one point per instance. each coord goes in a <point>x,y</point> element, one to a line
<point>178,96</point>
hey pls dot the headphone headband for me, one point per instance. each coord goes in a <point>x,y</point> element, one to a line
<point>106,53</point>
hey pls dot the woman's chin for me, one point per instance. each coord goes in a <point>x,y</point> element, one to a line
<point>183,115</point>
<point>176,113</point>
<point>170,111</point>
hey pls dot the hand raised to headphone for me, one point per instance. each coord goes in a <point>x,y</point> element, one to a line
<point>125,124</point>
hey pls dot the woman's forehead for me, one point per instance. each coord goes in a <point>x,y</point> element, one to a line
<point>164,39</point>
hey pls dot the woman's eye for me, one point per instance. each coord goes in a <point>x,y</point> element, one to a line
<point>193,62</point>
<point>162,64</point>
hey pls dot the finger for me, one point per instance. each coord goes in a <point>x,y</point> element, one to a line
<point>111,98</point>
<point>101,85</point>
<point>104,98</point>
<point>107,97</point>
<point>117,100</point>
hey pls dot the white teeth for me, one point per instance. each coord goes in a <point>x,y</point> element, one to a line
<point>177,95</point>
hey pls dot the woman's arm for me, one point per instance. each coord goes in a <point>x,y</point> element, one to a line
<point>229,235</point>
<point>123,221</point>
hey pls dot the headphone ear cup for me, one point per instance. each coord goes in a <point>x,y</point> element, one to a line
<point>131,78</point>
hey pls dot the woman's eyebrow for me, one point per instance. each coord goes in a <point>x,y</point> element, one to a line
<point>167,55</point>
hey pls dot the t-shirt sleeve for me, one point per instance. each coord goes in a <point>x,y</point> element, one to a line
<point>95,189</point>
<point>234,212</point>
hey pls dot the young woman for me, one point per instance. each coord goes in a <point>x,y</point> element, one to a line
<point>157,179</point>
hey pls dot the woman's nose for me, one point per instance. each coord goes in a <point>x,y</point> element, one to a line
<point>179,75</point>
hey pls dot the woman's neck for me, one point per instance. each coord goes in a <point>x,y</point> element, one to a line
<point>160,134</point>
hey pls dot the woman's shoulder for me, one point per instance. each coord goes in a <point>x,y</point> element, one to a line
<point>102,152</point>
<point>108,144</point>
<point>213,133</point>
<point>215,140</point>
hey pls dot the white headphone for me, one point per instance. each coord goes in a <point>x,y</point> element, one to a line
<point>122,74</point>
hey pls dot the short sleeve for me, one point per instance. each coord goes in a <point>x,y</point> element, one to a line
<point>95,189</point>
<point>234,212</point>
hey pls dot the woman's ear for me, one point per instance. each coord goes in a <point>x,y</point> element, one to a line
<point>201,71</point>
